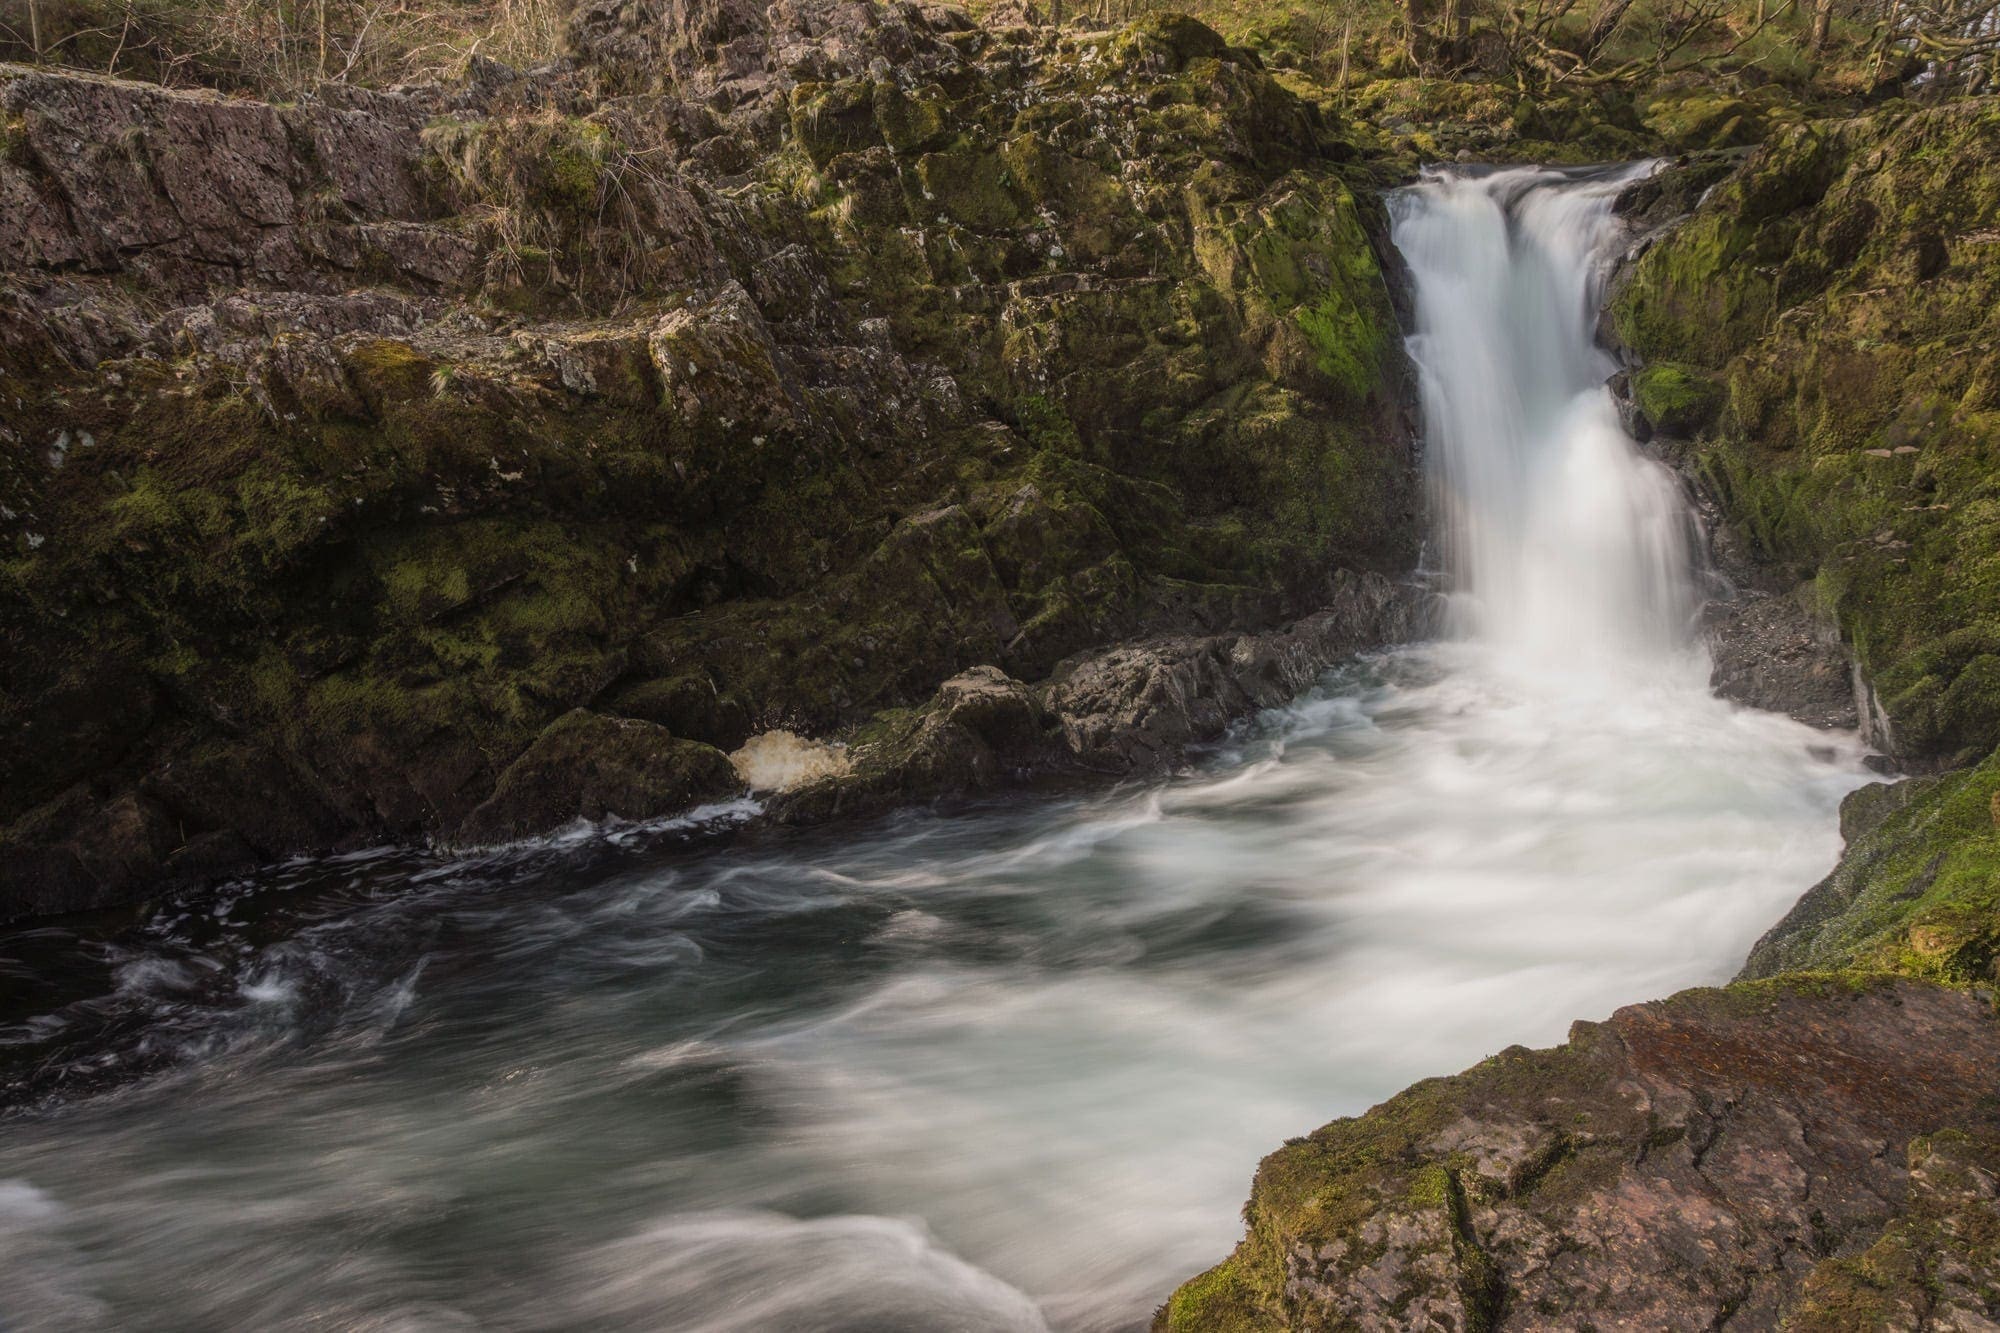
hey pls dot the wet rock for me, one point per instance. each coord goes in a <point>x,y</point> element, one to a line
<point>1140,707</point>
<point>590,766</point>
<point>983,728</point>
<point>1691,1161</point>
<point>1770,653</point>
<point>1135,708</point>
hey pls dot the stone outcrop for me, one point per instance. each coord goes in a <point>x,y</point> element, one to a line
<point>1824,328</point>
<point>1134,709</point>
<point>761,366</point>
<point>1723,1158</point>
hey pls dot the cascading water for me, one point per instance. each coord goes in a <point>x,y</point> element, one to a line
<point>1007,1069</point>
<point>1565,546</point>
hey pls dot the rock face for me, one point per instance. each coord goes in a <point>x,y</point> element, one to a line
<point>763,366</point>
<point>1828,319</point>
<point>1771,653</point>
<point>1722,1158</point>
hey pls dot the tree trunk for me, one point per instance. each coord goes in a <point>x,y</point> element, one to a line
<point>1416,17</point>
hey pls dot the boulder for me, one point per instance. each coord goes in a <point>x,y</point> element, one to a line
<point>1717,1156</point>
<point>586,765</point>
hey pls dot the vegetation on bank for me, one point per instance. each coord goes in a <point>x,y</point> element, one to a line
<point>281,47</point>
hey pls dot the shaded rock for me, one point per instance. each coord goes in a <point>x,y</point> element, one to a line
<point>1687,1162</point>
<point>1770,653</point>
<point>981,729</point>
<point>589,766</point>
<point>78,855</point>
<point>1138,707</point>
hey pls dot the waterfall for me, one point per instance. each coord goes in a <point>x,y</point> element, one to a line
<point>1564,546</point>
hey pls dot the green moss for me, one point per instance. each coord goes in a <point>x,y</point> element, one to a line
<point>1347,340</point>
<point>912,122</point>
<point>1047,426</point>
<point>971,186</point>
<point>1678,400</point>
<point>1218,1301</point>
<point>1917,893</point>
<point>388,370</point>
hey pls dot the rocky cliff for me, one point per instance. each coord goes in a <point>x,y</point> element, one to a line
<point>754,367</point>
<point>1816,1146</point>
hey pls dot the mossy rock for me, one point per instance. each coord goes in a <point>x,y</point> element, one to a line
<point>1694,121</point>
<point>1852,437</point>
<point>1917,890</point>
<point>1168,42</point>
<point>1676,400</point>
<point>971,186</point>
<point>913,121</point>
<point>829,119</point>
<point>589,766</point>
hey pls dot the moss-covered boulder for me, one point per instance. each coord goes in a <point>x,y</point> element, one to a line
<point>1917,892</point>
<point>1674,399</point>
<point>589,766</point>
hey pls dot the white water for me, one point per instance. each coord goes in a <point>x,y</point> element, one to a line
<point>1001,1070</point>
<point>1567,548</point>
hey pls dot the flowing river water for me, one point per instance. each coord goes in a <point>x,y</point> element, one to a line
<point>1002,1067</point>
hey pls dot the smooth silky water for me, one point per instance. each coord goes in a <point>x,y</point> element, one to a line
<point>1007,1067</point>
